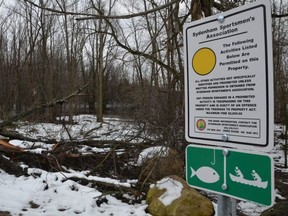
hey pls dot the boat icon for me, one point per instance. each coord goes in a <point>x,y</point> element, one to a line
<point>256,182</point>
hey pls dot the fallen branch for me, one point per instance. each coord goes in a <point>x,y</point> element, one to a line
<point>106,188</point>
<point>15,135</point>
<point>91,142</point>
<point>101,184</point>
<point>5,146</point>
<point>41,107</point>
<point>10,167</point>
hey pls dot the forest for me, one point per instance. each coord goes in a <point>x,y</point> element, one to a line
<point>107,59</point>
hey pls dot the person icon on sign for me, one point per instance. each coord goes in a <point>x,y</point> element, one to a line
<point>238,172</point>
<point>256,176</point>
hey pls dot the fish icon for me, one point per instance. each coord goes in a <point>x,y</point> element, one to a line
<point>205,174</point>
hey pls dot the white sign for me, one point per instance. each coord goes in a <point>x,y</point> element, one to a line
<point>229,78</point>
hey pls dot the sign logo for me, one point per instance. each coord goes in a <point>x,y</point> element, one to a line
<point>201,124</point>
<point>204,61</point>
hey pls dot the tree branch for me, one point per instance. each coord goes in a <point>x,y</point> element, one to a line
<point>101,16</point>
<point>40,107</point>
<point>137,52</point>
<point>279,15</point>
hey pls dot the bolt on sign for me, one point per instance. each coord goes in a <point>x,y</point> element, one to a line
<point>229,78</point>
<point>234,173</point>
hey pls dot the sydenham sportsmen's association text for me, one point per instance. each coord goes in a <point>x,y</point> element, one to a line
<point>223,30</point>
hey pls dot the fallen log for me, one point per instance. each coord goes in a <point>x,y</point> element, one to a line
<point>117,190</point>
<point>10,167</point>
<point>5,146</point>
<point>33,109</point>
<point>91,142</point>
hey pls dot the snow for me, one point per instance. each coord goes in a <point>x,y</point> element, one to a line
<point>251,209</point>
<point>54,196</point>
<point>36,147</point>
<point>53,193</point>
<point>84,127</point>
<point>278,195</point>
<point>172,188</point>
<point>151,152</point>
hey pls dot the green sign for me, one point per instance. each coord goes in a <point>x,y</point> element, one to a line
<point>238,174</point>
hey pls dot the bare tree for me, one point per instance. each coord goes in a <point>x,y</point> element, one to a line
<point>280,52</point>
<point>59,45</point>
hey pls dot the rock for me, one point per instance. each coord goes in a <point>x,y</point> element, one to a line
<point>158,167</point>
<point>279,209</point>
<point>172,196</point>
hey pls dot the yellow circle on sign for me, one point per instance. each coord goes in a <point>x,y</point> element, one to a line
<point>204,61</point>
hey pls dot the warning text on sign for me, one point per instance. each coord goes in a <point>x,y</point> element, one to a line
<point>233,127</point>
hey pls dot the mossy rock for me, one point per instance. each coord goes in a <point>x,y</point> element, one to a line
<point>189,202</point>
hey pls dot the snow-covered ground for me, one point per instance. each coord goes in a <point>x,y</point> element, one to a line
<point>50,193</point>
<point>44,193</point>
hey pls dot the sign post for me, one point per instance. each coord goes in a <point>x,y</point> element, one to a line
<point>229,79</point>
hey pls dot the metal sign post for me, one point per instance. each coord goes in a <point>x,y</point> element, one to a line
<point>226,206</point>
